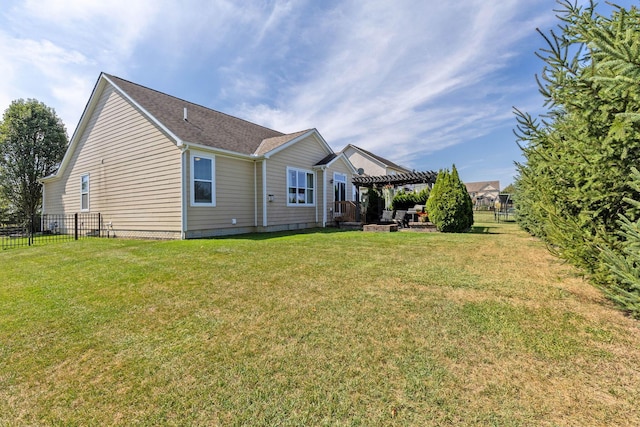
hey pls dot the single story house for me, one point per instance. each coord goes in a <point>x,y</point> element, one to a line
<point>156,166</point>
<point>483,193</point>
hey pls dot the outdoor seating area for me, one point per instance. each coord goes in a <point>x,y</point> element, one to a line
<point>398,217</point>
<point>402,220</point>
<point>404,216</point>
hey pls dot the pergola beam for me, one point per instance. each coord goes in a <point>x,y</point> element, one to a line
<point>428,177</point>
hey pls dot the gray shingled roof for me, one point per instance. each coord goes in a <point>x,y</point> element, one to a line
<point>272,143</point>
<point>326,160</point>
<point>204,126</point>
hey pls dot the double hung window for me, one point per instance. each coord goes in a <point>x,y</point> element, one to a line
<point>84,193</point>
<point>202,181</point>
<point>300,187</point>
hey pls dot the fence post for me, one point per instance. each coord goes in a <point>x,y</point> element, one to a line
<point>99,225</point>
<point>30,228</point>
<point>75,226</point>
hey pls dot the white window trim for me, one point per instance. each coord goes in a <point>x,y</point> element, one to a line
<point>88,208</point>
<point>341,177</point>
<point>315,187</point>
<point>192,180</point>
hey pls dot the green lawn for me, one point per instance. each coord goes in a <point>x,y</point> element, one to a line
<point>320,328</point>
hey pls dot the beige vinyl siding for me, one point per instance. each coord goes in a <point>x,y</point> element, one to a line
<point>359,160</point>
<point>234,191</point>
<point>134,171</point>
<point>301,155</point>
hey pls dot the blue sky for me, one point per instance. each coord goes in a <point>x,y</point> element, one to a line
<point>423,83</point>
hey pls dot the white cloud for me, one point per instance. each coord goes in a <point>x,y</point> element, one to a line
<point>53,50</point>
<point>401,79</point>
<point>390,69</point>
<point>105,27</point>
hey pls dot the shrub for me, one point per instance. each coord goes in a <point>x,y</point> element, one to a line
<point>449,206</point>
<point>373,207</point>
<point>407,200</point>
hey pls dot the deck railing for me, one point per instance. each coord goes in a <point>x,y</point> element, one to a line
<point>345,211</point>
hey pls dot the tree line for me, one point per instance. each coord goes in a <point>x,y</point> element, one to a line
<point>578,188</point>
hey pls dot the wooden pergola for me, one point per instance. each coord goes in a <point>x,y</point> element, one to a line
<point>352,211</point>
<point>428,177</point>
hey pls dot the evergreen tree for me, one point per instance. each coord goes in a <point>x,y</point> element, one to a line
<point>579,155</point>
<point>449,205</point>
<point>624,264</point>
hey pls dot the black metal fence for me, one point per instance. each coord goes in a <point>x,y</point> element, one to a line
<point>49,228</point>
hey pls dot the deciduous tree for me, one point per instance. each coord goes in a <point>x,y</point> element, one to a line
<point>33,141</point>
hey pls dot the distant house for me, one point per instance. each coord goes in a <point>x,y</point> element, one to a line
<point>156,166</point>
<point>371,164</point>
<point>483,193</point>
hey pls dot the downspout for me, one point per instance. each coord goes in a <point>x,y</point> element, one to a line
<point>324,197</point>
<point>264,192</point>
<point>43,197</point>
<point>183,193</point>
<point>255,193</point>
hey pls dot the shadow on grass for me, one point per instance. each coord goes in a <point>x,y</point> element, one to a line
<point>278,234</point>
<point>478,229</point>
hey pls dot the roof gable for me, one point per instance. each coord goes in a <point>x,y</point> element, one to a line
<point>271,144</point>
<point>274,145</point>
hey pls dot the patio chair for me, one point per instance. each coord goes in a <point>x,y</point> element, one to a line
<point>401,219</point>
<point>413,212</point>
<point>387,217</point>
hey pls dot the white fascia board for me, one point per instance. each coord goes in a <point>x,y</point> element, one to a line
<point>49,178</point>
<point>323,141</point>
<point>84,118</point>
<point>86,115</point>
<point>222,152</point>
<point>173,136</point>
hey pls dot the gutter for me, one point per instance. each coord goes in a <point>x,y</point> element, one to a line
<point>183,192</point>
<point>264,193</point>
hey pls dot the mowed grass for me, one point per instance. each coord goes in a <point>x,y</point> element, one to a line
<point>319,328</point>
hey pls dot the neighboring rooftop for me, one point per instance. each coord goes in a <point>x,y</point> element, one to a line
<point>475,187</point>
<point>386,162</point>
